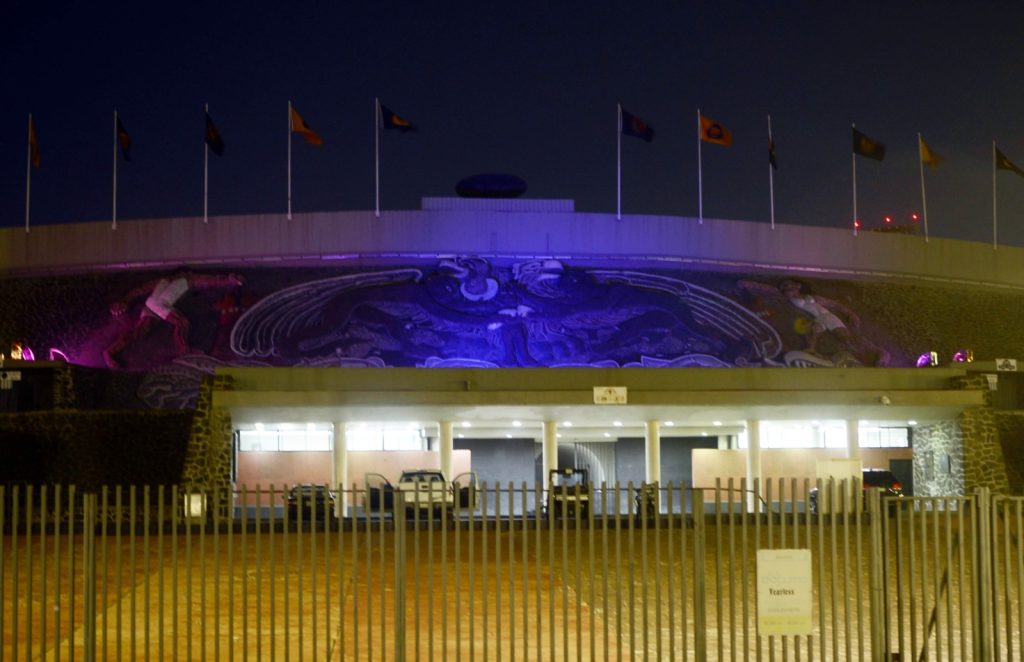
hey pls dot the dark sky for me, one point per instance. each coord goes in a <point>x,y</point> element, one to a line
<point>528,88</point>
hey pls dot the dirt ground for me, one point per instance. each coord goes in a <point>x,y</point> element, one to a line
<point>468,593</point>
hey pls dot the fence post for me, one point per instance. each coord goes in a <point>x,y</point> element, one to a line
<point>876,578</point>
<point>700,633</point>
<point>983,633</point>
<point>398,516</point>
<point>89,575</point>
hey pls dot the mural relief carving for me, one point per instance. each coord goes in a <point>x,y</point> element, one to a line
<point>460,311</point>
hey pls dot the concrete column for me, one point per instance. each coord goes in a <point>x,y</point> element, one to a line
<point>445,447</point>
<point>339,474</point>
<point>753,464</point>
<point>852,439</point>
<point>549,451</point>
<point>652,452</point>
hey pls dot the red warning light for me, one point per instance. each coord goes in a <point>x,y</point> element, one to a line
<point>914,216</point>
<point>888,220</point>
<point>856,224</point>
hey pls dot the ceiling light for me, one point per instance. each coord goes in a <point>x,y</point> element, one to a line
<point>517,424</point>
<point>670,423</point>
<point>467,424</point>
<point>617,424</point>
<point>607,434</point>
<point>567,424</point>
<point>259,427</point>
<point>911,423</point>
<point>717,424</point>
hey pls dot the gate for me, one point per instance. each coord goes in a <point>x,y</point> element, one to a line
<point>510,572</point>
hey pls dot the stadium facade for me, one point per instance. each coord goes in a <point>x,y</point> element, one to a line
<point>509,337</point>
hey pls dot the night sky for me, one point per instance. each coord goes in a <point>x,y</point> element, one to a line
<point>528,88</point>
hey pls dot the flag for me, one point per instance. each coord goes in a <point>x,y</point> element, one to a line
<point>124,140</point>
<point>928,157</point>
<point>33,144</point>
<point>299,126</point>
<point>636,127</point>
<point>867,146</point>
<point>389,120</point>
<point>713,132</point>
<point>1003,163</point>
<point>771,155</point>
<point>213,139</point>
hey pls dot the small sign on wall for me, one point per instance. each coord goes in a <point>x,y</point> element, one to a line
<point>1006,365</point>
<point>609,395</point>
<point>784,592</point>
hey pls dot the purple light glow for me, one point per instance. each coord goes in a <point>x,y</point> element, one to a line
<point>57,355</point>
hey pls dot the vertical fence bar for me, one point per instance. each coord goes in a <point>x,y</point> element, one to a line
<point>133,565</point>
<point>105,524</point>
<point>591,598</point>
<point>619,570</point>
<point>512,572</point>
<point>218,515</point>
<point>577,527</point>
<point>43,517</point>
<point>71,571</point>
<point>382,573</point>
<point>458,569</point>
<point>146,522</point>
<point>876,584</point>
<point>699,585</point>
<point>400,620</point>
<point>161,523</point>
<point>604,575</point>
<point>745,512</point>
<point>435,513</point>
<point>524,547</point>
<point>89,572</point>
<point>671,570</point>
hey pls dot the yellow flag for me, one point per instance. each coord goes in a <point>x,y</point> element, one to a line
<point>928,157</point>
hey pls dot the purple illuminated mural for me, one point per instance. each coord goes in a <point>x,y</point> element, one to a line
<point>467,311</point>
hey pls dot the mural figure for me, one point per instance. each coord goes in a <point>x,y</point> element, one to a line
<point>819,316</point>
<point>161,297</point>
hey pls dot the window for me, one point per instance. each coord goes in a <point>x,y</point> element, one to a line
<point>284,440</point>
<point>826,434</point>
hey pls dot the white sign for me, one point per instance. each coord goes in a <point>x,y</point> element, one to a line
<point>784,592</point>
<point>1006,365</point>
<point>609,395</point>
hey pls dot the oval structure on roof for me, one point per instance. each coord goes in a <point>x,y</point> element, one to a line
<point>491,185</point>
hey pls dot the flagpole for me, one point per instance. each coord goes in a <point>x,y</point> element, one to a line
<point>377,157</point>
<point>618,165</point>
<point>924,199</point>
<point>993,195</point>
<point>28,174</point>
<point>206,169</point>
<point>700,177</point>
<point>113,224</point>
<point>771,175</point>
<point>289,159</point>
<point>853,160</point>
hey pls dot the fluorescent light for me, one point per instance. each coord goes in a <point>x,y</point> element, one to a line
<point>670,423</point>
<point>617,424</point>
<point>517,424</point>
<point>567,424</point>
<point>717,424</point>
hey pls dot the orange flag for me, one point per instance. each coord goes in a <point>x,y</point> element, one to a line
<point>299,126</point>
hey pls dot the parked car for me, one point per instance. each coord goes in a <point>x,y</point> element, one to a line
<point>880,478</point>
<point>306,500</point>
<point>563,495</point>
<point>425,490</point>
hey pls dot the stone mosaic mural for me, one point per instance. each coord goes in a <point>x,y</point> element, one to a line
<point>177,325</point>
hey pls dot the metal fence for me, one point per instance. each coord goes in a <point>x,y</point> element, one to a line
<point>620,572</point>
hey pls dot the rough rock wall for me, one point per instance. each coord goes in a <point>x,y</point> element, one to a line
<point>1011,438</point>
<point>938,460</point>
<point>208,460</point>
